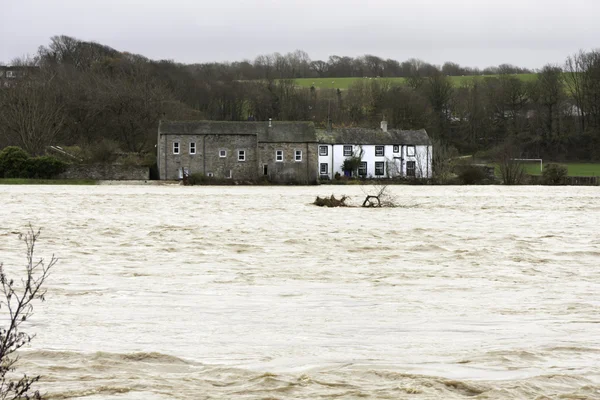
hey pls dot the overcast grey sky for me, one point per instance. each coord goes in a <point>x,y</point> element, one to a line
<point>480,33</point>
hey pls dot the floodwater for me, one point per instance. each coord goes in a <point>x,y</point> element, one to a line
<point>251,292</point>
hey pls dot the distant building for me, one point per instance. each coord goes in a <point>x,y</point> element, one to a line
<point>383,153</point>
<point>288,152</point>
<point>283,152</point>
<point>10,74</point>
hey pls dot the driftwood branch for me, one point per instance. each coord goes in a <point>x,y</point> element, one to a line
<point>331,201</point>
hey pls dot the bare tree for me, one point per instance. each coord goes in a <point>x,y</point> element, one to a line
<point>16,306</point>
<point>511,167</point>
<point>574,78</point>
<point>32,112</point>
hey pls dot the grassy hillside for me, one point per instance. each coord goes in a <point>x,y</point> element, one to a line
<point>344,83</point>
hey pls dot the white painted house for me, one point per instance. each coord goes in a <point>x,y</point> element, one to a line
<point>383,153</point>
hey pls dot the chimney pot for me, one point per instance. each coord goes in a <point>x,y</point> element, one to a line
<point>384,126</point>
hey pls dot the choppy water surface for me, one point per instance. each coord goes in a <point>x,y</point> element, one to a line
<point>251,292</point>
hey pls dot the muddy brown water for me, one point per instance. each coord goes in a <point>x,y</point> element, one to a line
<point>251,292</point>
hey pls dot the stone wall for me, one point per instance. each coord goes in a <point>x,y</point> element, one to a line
<point>289,170</point>
<point>169,164</point>
<point>106,172</point>
<point>230,166</point>
<point>208,159</point>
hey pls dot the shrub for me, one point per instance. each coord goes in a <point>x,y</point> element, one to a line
<point>351,164</point>
<point>12,162</point>
<point>472,175</point>
<point>554,174</point>
<point>44,167</point>
<point>103,152</point>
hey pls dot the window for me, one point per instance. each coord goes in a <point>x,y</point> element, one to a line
<point>192,147</point>
<point>379,151</point>
<point>324,168</point>
<point>298,155</point>
<point>379,168</point>
<point>347,151</point>
<point>210,174</point>
<point>241,155</point>
<point>279,155</point>
<point>362,169</point>
<point>265,169</point>
<point>410,151</point>
<point>396,148</point>
<point>411,167</point>
<point>228,175</point>
<point>323,151</point>
<point>222,153</point>
<point>11,74</point>
<point>175,147</point>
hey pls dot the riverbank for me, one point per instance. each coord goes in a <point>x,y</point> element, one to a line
<point>24,181</point>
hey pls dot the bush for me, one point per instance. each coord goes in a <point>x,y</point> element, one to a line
<point>351,164</point>
<point>12,162</point>
<point>472,175</point>
<point>103,152</point>
<point>554,174</point>
<point>44,167</point>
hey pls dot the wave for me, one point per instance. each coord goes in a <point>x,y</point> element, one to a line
<point>103,357</point>
<point>101,390</point>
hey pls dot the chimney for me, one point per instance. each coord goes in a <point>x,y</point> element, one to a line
<point>384,126</point>
<point>270,123</point>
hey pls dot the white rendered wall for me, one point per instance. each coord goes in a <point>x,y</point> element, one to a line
<point>326,159</point>
<point>394,163</point>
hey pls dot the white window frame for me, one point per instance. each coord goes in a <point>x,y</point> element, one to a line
<point>192,147</point>
<point>414,169</point>
<point>379,151</point>
<point>347,151</point>
<point>222,153</point>
<point>382,164</point>
<point>278,155</point>
<point>241,155</point>
<point>409,150</point>
<point>396,148</point>
<point>324,166</point>
<point>360,168</point>
<point>323,151</point>
<point>296,154</point>
<point>176,148</point>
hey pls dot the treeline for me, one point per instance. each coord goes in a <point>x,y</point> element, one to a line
<point>299,65</point>
<point>92,96</point>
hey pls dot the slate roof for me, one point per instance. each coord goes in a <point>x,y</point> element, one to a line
<point>374,136</point>
<point>279,132</point>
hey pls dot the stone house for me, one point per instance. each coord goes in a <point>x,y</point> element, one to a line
<point>282,152</point>
<point>383,153</point>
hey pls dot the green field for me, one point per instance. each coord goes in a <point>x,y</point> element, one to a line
<point>345,83</point>
<point>21,181</point>
<point>575,169</point>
